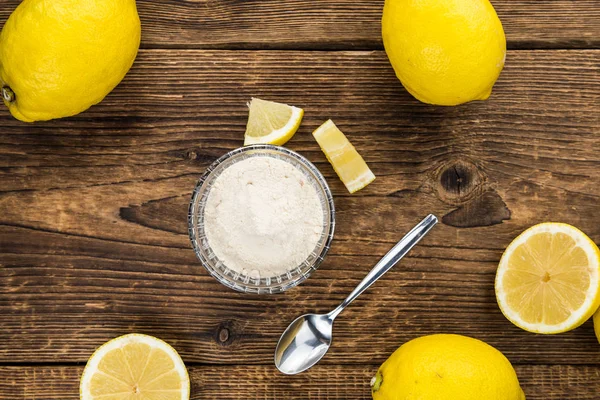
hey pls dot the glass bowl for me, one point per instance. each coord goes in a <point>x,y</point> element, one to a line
<point>234,279</point>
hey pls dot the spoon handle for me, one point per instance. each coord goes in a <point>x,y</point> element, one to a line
<point>389,260</point>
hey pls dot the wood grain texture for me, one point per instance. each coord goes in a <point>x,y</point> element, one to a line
<point>339,24</point>
<point>93,239</point>
<point>539,382</point>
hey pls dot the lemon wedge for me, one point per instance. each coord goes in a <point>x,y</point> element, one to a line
<point>347,163</point>
<point>548,280</point>
<point>135,367</point>
<point>271,123</point>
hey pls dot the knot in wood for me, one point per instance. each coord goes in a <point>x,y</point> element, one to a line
<point>224,334</point>
<point>458,181</point>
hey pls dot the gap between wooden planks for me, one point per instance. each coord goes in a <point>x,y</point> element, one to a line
<point>540,382</point>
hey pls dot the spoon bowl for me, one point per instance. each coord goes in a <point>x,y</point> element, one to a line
<point>308,338</point>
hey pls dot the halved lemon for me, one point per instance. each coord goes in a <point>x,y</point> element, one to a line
<point>347,163</point>
<point>271,123</point>
<point>135,367</point>
<point>548,280</point>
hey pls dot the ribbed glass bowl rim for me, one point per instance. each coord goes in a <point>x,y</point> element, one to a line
<point>243,283</point>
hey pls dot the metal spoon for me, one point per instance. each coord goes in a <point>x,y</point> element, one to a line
<point>308,338</point>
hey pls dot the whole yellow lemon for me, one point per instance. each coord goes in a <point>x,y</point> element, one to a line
<point>446,367</point>
<point>59,57</point>
<point>597,324</point>
<point>445,52</point>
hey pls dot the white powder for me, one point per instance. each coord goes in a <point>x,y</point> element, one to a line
<point>262,217</point>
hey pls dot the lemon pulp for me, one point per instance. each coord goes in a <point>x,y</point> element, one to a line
<point>346,161</point>
<point>135,367</point>
<point>271,123</point>
<point>548,279</point>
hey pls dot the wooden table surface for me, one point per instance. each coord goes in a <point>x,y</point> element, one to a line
<point>93,209</point>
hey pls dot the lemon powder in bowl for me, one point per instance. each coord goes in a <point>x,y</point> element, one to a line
<point>261,219</point>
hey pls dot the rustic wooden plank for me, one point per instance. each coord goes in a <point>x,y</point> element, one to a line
<point>340,24</point>
<point>93,237</point>
<point>59,308</point>
<point>61,311</point>
<point>539,382</point>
